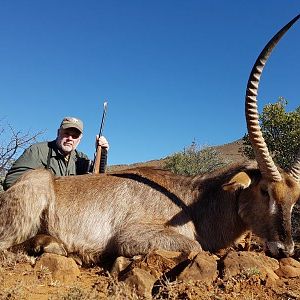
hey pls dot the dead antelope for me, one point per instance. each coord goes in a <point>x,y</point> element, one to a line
<point>138,210</point>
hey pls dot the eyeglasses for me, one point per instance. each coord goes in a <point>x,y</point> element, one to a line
<point>74,133</point>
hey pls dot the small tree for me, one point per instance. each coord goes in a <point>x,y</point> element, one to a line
<point>195,160</point>
<point>11,142</point>
<point>281,131</point>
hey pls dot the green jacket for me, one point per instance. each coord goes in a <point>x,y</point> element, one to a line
<point>38,155</point>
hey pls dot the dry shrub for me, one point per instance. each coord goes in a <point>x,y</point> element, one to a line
<point>195,160</point>
<point>9,259</point>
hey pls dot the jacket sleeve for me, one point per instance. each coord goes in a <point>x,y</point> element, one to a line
<point>29,160</point>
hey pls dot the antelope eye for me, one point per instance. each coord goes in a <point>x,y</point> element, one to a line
<point>264,192</point>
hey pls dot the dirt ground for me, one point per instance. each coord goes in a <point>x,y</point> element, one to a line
<point>19,279</point>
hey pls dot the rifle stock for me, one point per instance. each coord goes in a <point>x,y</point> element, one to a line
<point>96,168</point>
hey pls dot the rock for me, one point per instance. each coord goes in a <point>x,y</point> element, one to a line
<point>202,266</point>
<point>62,268</point>
<point>160,265</point>
<point>156,263</point>
<point>249,264</point>
<point>146,270</point>
<point>141,280</point>
<point>161,261</point>
<point>288,268</point>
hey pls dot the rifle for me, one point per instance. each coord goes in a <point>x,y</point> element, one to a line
<point>96,168</point>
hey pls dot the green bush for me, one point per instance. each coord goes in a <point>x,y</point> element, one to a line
<point>281,131</point>
<point>195,160</point>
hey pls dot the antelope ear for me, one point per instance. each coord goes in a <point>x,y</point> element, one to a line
<point>239,181</point>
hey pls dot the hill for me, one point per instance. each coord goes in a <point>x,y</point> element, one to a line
<point>231,152</point>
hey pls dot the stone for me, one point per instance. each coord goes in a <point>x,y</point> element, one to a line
<point>62,268</point>
<point>288,268</point>
<point>141,281</point>
<point>202,266</point>
<point>157,262</point>
<point>250,264</point>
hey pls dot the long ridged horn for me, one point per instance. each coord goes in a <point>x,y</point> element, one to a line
<point>262,155</point>
<point>295,170</point>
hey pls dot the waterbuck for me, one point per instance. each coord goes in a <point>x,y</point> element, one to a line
<point>138,210</point>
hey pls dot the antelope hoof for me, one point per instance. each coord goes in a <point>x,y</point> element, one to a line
<point>39,244</point>
<point>43,243</point>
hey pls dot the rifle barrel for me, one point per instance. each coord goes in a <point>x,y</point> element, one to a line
<point>103,118</point>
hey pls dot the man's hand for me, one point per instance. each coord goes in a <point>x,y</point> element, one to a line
<point>102,141</point>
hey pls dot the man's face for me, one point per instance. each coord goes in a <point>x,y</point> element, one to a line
<point>68,139</point>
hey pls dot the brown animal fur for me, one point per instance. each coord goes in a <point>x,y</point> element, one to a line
<point>134,211</point>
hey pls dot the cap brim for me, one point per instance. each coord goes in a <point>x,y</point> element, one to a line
<point>66,126</point>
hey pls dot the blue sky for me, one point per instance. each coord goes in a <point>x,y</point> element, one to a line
<point>172,71</point>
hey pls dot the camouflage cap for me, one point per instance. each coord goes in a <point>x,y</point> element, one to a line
<point>71,122</point>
